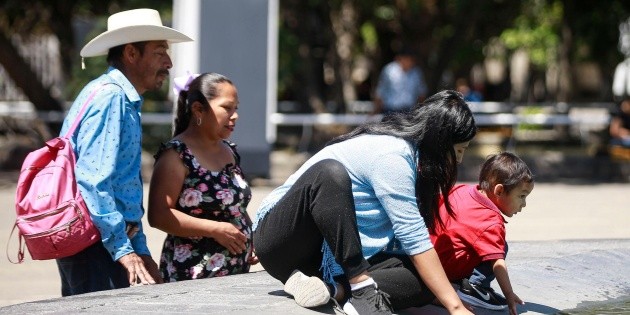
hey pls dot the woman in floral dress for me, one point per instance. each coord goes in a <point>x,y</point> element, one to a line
<point>198,194</point>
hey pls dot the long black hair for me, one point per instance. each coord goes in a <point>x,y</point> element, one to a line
<point>433,126</point>
<point>202,89</point>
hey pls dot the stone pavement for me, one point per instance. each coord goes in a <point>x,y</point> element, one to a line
<point>549,276</point>
<point>568,248</point>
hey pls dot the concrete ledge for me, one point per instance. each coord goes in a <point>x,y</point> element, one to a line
<point>549,276</point>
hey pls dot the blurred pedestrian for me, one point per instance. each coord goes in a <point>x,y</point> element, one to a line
<point>401,84</point>
<point>620,122</point>
<point>470,95</point>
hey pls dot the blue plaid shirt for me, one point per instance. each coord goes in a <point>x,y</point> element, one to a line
<point>107,144</point>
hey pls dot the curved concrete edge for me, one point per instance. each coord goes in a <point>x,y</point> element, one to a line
<point>566,275</point>
<point>549,276</point>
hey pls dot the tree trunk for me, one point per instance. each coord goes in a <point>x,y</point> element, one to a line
<point>345,29</point>
<point>565,78</point>
<point>313,32</point>
<point>24,77</point>
<point>464,21</point>
<point>62,27</point>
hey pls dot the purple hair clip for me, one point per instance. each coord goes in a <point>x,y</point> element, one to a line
<point>181,83</point>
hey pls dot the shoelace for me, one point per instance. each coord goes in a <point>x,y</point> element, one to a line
<point>381,300</point>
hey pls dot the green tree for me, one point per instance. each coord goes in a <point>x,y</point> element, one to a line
<point>323,43</point>
<point>320,48</point>
<point>29,18</point>
<point>562,34</point>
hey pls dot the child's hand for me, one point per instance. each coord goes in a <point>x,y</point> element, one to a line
<point>512,300</point>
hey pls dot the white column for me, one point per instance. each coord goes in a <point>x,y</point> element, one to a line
<point>185,56</point>
<point>272,68</point>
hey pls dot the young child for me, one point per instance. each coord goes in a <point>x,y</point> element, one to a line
<point>471,244</point>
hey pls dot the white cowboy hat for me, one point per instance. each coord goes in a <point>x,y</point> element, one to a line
<point>129,27</point>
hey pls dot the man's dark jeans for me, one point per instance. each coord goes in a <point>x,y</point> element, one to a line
<point>91,270</point>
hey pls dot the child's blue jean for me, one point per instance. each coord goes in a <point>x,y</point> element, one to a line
<point>483,275</point>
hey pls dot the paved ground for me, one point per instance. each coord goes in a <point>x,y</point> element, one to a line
<point>568,248</point>
<point>550,276</point>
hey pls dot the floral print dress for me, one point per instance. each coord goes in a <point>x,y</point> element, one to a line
<point>220,196</point>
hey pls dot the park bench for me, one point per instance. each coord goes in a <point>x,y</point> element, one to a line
<point>619,153</point>
<point>508,118</point>
<point>581,119</point>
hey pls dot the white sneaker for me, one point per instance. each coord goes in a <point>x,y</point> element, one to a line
<point>307,291</point>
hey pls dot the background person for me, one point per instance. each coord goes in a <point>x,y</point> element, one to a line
<point>471,243</point>
<point>619,128</point>
<point>198,193</point>
<point>470,95</point>
<point>108,150</point>
<point>347,223</point>
<point>401,84</point>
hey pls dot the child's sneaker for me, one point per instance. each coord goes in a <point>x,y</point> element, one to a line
<point>367,301</point>
<point>307,291</point>
<point>479,296</point>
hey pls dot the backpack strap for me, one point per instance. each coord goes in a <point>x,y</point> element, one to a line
<point>20,247</point>
<point>77,119</point>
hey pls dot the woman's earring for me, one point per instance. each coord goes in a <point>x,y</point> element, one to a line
<point>198,121</point>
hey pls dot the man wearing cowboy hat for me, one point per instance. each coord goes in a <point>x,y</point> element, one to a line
<point>107,145</point>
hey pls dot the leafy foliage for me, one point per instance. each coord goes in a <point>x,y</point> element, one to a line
<point>450,36</point>
<point>537,30</point>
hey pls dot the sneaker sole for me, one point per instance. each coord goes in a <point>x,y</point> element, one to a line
<point>475,302</point>
<point>307,292</point>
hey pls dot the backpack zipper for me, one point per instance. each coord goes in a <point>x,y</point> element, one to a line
<point>52,231</point>
<point>52,212</point>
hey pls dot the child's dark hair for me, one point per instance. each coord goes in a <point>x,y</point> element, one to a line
<point>201,89</point>
<point>504,168</point>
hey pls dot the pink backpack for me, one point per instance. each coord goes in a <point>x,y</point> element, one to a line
<point>52,217</point>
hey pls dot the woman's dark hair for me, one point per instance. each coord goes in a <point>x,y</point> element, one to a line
<point>504,168</point>
<point>433,126</point>
<point>202,89</point>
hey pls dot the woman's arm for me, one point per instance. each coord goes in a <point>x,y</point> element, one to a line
<point>430,270</point>
<point>617,130</point>
<point>500,271</point>
<point>166,183</point>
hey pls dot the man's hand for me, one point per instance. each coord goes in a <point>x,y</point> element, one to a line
<point>137,271</point>
<point>153,268</point>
